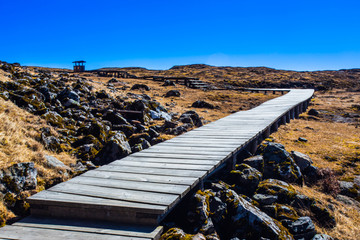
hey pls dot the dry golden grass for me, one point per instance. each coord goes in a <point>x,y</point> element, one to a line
<point>18,130</point>
<point>346,217</point>
<point>4,77</point>
<point>334,145</point>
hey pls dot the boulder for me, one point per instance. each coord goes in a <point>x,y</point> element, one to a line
<point>68,93</point>
<point>125,128</point>
<point>140,86</point>
<point>302,139</point>
<point>102,94</point>
<point>313,112</point>
<point>255,162</point>
<point>117,147</point>
<point>301,159</point>
<point>302,228</point>
<point>349,189</point>
<point>19,177</point>
<point>54,119</point>
<point>53,162</point>
<point>245,178</point>
<point>202,104</point>
<point>284,191</point>
<point>265,199</point>
<point>279,164</point>
<point>249,221</point>
<point>173,93</point>
<point>195,118</point>
<point>114,117</point>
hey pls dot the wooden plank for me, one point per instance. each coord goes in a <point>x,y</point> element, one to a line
<point>132,185</point>
<point>152,171</point>
<point>172,148</point>
<point>65,199</point>
<point>170,160</point>
<point>31,233</point>
<point>176,156</point>
<point>188,181</point>
<point>140,163</point>
<point>91,227</point>
<point>185,152</point>
<point>116,194</point>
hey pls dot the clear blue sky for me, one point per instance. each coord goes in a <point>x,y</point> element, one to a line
<point>298,35</point>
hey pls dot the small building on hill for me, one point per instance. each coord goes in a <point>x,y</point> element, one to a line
<point>79,66</point>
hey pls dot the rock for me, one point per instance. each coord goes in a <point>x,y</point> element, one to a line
<point>301,139</point>
<point>322,237</point>
<point>322,215</point>
<point>180,129</point>
<point>302,160</point>
<point>256,162</point>
<point>54,119</point>
<point>53,162</point>
<point>281,189</point>
<point>348,201</point>
<point>157,115</point>
<point>115,118</point>
<point>169,83</point>
<point>174,234</point>
<point>143,144</point>
<point>217,209</point>
<point>249,221</point>
<point>313,112</point>
<point>202,104</point>
<point>302,228</point>
<point>193,116</point>
<point>311,174</point>
<point>19,177</point>
<point>303,202</point>
<point>51,143</point>
<point>113,80</point>
<point>117,147</point>
<point>173,93</point>
<point>245,178</point>
<point>70,103</point>
<point>140,86</point>
<point>125,128</point>
<point>102,95</point>
<point>349,189</point>
<point>280,212</point>
<point>265,199</point>
<point>279,164</point>
<point>68,93</point>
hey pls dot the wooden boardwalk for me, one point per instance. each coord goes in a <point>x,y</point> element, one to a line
<point>141,189</point>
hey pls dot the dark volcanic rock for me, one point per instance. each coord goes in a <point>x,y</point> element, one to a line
<point>19,177</point>
<point>313,112</point>
<point>302,228</point>
<point>117,147</point>
<point>202,104</point>
<point>246,178</point>
<point>173,93</point>
<point>302,160</point>
<point>249,221</point>
<point>279,164</point>
<point>193,116</point>
<point>140,86</point>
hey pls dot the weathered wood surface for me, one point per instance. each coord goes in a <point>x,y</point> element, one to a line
<point>142,188</point>
<point>32,228</point>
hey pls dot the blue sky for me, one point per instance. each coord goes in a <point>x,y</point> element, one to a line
<point>296,35</point>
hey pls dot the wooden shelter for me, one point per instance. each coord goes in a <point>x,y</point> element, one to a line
<point>79,66</point>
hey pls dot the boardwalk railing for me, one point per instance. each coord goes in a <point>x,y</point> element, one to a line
<point>143,188</point>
